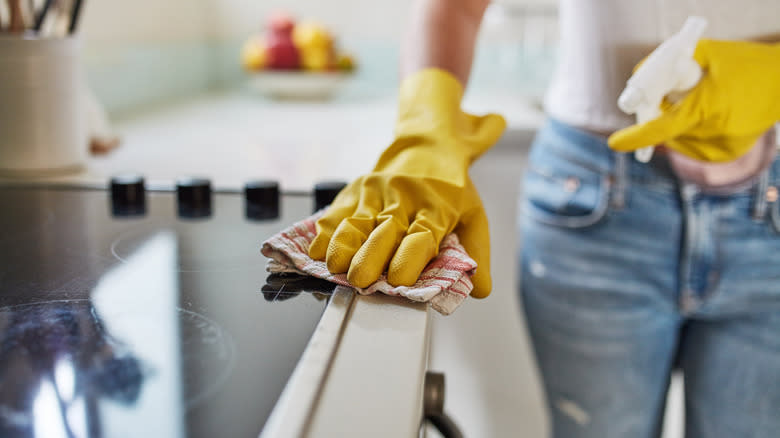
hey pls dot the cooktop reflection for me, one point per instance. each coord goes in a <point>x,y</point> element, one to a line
<point>145,321</point>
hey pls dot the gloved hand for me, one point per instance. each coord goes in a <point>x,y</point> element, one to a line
<point>721,118</point>
<point>395,217</point>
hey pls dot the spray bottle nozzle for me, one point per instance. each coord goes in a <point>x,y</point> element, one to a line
<point>670,68</point>
<point>630,100</point>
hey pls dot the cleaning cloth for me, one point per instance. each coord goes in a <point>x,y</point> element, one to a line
<point>444,283</point>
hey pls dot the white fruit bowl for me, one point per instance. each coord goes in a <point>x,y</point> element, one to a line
<point>290,85</point>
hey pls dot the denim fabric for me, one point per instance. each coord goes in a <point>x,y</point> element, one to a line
<point>628,273</point>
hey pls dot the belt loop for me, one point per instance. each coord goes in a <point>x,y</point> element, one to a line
<point>620,182</point>
<point>760,201</point>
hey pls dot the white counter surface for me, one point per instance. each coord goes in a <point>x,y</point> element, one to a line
<point>362,373</point>
<point>233,137</point>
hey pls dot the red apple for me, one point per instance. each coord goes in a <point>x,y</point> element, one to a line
<point>281,53</point>
<point>281,22</point>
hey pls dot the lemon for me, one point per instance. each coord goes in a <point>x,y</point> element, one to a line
<point>315,58</point>
<point>253,56</point>
<point>310,34</point>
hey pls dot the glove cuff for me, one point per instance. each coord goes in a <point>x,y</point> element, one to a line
<point>431,84</point>
<point>428,99</point>
<point>429,112</point>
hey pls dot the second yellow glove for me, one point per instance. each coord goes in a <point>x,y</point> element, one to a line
<point>394,218</point>
<point>722,117</point>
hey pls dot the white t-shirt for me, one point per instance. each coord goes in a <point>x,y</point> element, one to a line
<point>602,40</point>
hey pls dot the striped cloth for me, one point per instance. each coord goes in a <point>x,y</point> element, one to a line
<point>444,283</point>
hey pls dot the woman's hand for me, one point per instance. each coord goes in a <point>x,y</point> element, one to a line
<point>395,217</point>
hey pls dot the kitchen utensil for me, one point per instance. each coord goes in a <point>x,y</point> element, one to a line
<point>42,15</point>
<point>16,24</point>
<point>74,16</point>
<point>29,13</point>
<point>4,16</point>
<point>57,22</point>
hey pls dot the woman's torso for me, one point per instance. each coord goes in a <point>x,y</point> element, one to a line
<point>602,40</point>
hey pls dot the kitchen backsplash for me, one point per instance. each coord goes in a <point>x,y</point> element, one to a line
<point>158,59</point>
<point>143,75</point>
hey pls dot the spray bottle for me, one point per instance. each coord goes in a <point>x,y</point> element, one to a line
<point>669,71</point>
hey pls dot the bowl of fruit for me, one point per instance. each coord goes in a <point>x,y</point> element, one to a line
<point>295,60</point>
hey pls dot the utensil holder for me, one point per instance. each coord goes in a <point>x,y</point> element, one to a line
<point>43,126</point>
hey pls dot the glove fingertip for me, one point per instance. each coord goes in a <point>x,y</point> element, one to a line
<point>483,285</point>
<point>374,256</point>
<point>498,120</point>
<point>493,126</point>
<point>625,140</point>
<point>411,258</point>
<point>406,276</point>
<point>474,234</point>
<point>319,247</point>
<point>360,277</point>
<point>338,261</point>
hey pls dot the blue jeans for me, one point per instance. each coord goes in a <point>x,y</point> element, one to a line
<point>628,273</point>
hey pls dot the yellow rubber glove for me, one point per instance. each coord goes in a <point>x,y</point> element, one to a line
<point>394,218</point>
<point>722,117</point>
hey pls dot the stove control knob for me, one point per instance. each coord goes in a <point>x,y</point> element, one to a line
<point>128,195</point>
<point>262,199</point>
<point>325,192</point>
<point>193,197</point>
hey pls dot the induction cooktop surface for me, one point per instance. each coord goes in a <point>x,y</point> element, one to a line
<point>153,315</point>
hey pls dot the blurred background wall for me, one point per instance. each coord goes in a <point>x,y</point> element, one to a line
<point>141,52</point>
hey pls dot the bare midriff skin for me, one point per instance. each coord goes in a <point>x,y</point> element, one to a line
<point>770,38</point>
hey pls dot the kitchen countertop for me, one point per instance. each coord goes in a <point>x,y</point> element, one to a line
<point>232,137</point>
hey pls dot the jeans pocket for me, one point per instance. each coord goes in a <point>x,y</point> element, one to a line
<point>565,193</point>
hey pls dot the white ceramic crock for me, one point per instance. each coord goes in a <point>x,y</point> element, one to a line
<point>42,119</point>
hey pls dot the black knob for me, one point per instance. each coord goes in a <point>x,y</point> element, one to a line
<point>194,197</point>
<point>325,192</point>
<point>262,199</point>
<point>128,195</point>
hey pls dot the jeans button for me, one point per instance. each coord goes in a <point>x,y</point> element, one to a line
<point>571,184</point>
<point>771,194</point>
<point>688,302</point>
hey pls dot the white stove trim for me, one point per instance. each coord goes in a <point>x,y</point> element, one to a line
<point>362,373</point>
<point>291,413</point>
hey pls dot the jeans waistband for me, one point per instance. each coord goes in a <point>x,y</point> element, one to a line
<point>625,170</point>
<point>600,156</point>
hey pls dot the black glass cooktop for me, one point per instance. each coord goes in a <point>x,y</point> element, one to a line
<point>144,321</point>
